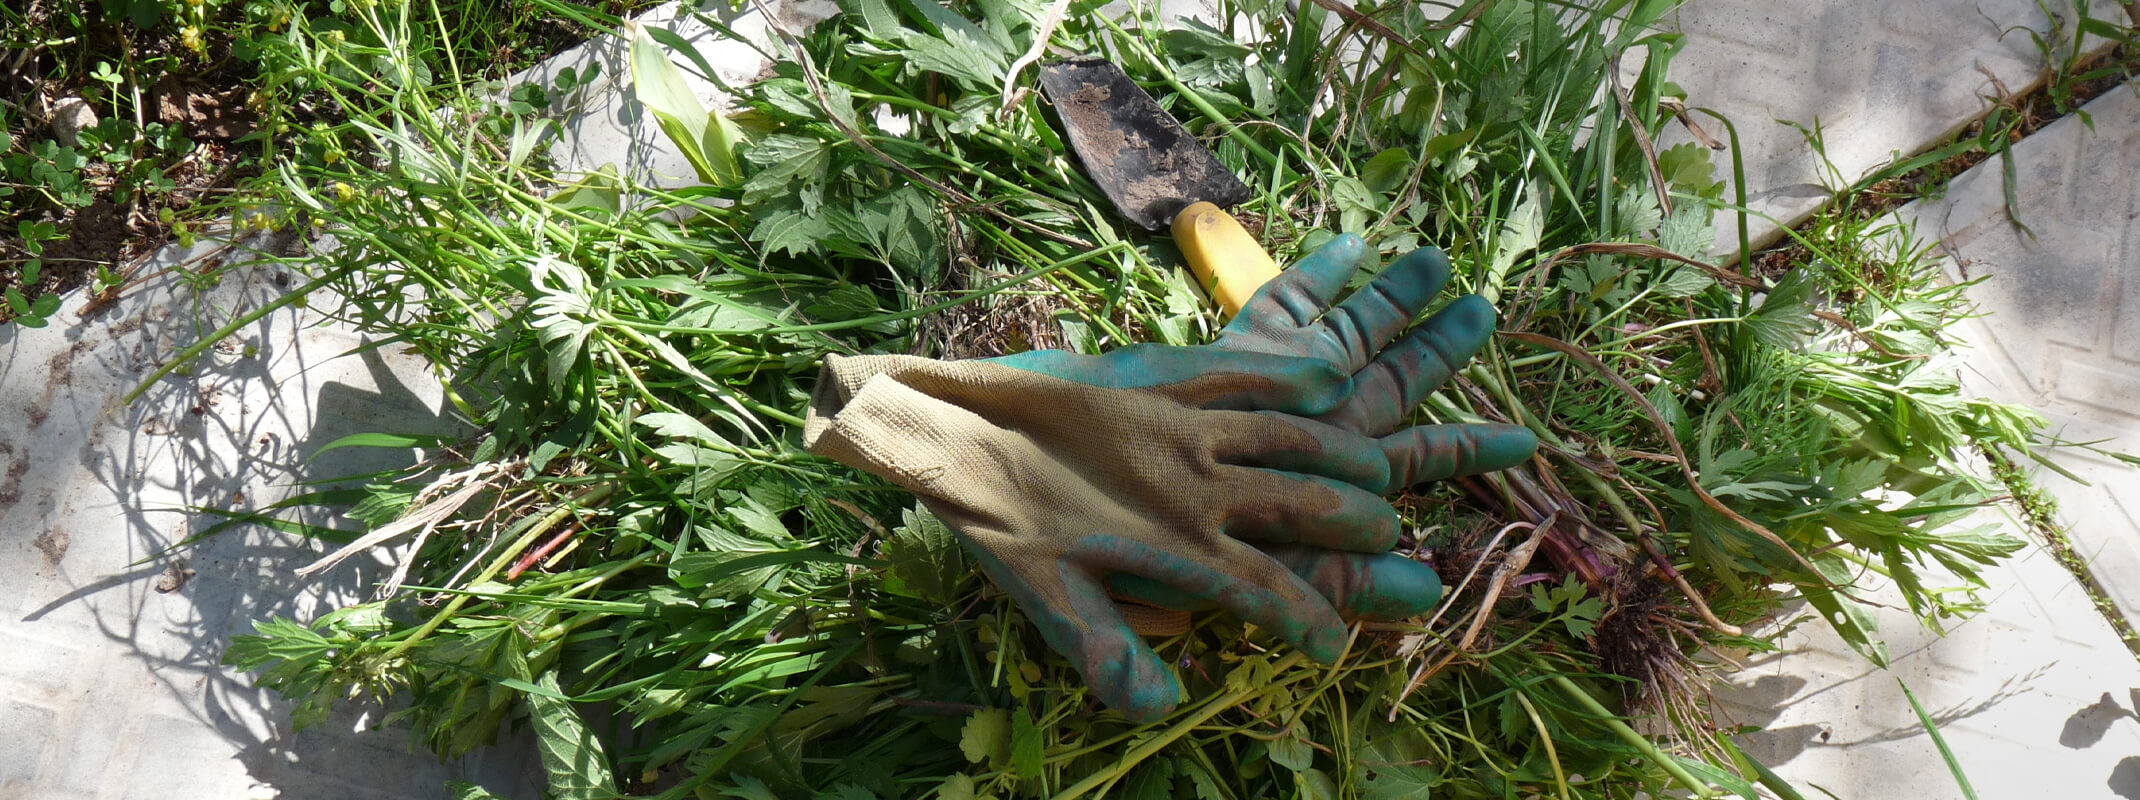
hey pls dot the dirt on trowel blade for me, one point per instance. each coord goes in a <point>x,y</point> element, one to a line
<point>1146,162</point>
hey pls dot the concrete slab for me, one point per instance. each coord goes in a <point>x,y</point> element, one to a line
<point>1879,79</point>
<point>2036,696</point>
<point>110,678</point>
<point>2063,333</point>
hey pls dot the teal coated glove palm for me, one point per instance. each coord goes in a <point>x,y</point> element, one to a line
<point>1297,314</point>
<point>1060,471</point>
<point>1150,469</point>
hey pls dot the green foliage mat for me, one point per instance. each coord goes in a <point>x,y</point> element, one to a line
<point>636,560</point>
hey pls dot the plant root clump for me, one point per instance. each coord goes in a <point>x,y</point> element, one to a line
<point>1638,639</point>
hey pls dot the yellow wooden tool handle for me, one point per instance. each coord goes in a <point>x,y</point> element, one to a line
<point>1228,262</point>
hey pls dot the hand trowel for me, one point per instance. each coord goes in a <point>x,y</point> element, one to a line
<point>1158,175</point>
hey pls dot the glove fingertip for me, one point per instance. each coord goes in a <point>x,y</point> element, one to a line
<point>1138,684</point>
<point>1426,267</point>
<point>1336,260</point>
<point>1396,588</point>
<point>1473,311</point>
<point>1504,446</point>
<point>1324,642</point>
<point>1345,246</point>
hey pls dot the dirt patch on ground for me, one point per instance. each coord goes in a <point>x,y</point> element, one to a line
<point>11,481</point>
<point>53,544</point>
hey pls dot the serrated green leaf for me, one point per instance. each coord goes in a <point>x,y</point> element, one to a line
<point>902,225</point>
<point>730,566</point>
<point>571,754</point>
<point>748,788</point>
<point>713,464</point>
<point>1637,212</point>
<point>1681,280</point>
<point>1201,782</point>
<point>926,559</point>
<point>1540,600</point>
<point>1511,719</point>
<point>1688,231</point>
<point>1519,234</point>
<point>1686,168</point>
<point>957,55</point>
<point>878,19</point>
<point>1785,317</point>
<point>756,518</point>
<point>1292,751</point>
<point>792,232</point>
<point>986,737</point>
<point>788,164</point>
<point>956,787</point>
<point>1026,746</point>
<point>463,790</point>
<point>1151,780</point>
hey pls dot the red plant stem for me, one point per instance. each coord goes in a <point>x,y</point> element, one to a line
<point>541,553</point>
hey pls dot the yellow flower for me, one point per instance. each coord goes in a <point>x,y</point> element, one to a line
<point>190,38</point>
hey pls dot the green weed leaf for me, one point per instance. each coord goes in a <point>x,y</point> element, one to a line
<point>1292,750</point>
<point>792,232</point>
<point>749,788</point>
<point>986,738</point>
<point>1026,746</point>
<point>463,790</point>
<point>1201,782</point>
<point>1316,784</point>
<point>1151,780</point>
<point>1400,782</point>
<point>956,787</point>
<point>707,139</point>
<point>1688,232</point>
<point>570,752</point>
<point>927,562</point>
<point>1687,169</point>
<point>1785,317</point>
<point>1387,170</point>
<point>1850,620</point>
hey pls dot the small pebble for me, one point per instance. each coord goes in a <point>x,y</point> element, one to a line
<point>69,117</point>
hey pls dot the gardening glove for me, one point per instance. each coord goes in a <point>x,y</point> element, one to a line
<point>1289,325</point>
<point>1293,315</point>
<point>1058,470</point>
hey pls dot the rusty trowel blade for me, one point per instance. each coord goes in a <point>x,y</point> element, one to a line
<point>1139,155</point>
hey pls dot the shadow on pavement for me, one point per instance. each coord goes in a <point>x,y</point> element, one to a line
<point>122,641</point>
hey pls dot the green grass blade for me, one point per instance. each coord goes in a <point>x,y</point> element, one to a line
<point>1954,765</point>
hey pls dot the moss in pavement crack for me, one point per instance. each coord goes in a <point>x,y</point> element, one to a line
<point>2039,511</point>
